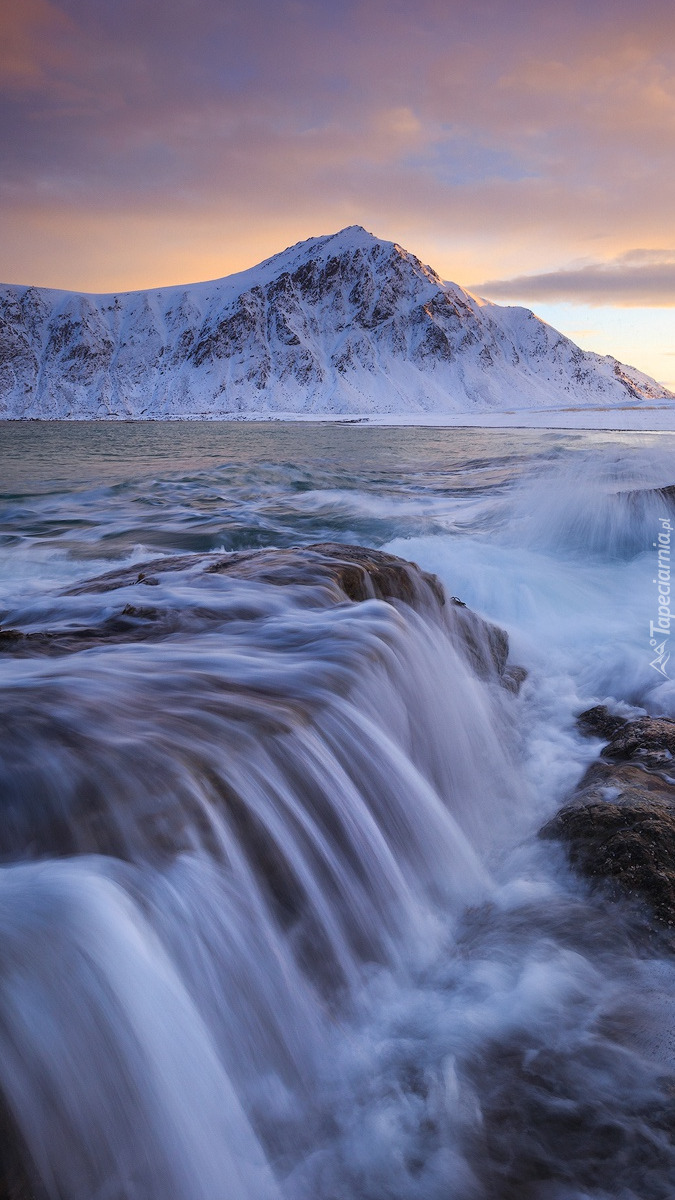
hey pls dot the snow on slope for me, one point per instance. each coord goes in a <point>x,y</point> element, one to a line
<point>345,324</point>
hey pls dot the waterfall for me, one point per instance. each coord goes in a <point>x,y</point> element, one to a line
<point>209,836</point>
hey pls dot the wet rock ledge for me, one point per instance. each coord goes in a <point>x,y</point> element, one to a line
<point>164,824</point>
<point>337,573</point>
<point>619,826</point>
<point>78,804</point>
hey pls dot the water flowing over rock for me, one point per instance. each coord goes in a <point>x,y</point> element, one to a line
<point>218,802</point>
<point>342,572</point>
<point>275,922</point>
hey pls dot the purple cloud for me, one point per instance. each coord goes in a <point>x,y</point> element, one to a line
<point>636,278</point>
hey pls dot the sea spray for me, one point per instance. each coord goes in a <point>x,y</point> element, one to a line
<point>306,830</point>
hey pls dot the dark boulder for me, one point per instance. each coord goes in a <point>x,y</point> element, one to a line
<point>649,741</point>
<point>629,845</point>
<point>619,825</point>
<point>599,722</point>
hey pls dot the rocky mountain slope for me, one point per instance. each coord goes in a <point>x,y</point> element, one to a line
<point>342,324</point>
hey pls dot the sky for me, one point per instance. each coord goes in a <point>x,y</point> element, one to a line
<point>524,149</point>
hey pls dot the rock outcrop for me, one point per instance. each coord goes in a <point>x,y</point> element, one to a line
<point>142,773</point>
<point>335,572</point>
<point>619,826</point>
<point>320,577</point>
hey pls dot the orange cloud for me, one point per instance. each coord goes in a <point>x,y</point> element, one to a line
<point>496,140</point>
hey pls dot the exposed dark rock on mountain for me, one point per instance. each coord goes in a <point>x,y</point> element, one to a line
<point>334,325</point>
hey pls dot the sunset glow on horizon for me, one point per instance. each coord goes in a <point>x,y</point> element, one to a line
<point>524,151</point>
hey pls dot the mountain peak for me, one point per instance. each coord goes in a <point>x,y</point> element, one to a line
<point>356,230</point>
<point>343,323</point>
<point>347,240</point>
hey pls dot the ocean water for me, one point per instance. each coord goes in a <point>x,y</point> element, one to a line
<point>275,920</point>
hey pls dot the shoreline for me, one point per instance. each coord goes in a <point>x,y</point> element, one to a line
<point>634,419</point>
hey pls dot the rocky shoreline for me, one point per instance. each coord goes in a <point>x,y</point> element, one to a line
<point>619,826</point>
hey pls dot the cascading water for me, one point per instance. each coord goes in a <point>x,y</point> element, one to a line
<point>274,918</point>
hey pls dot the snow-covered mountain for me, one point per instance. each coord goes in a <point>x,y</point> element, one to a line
<point>341,324</point>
